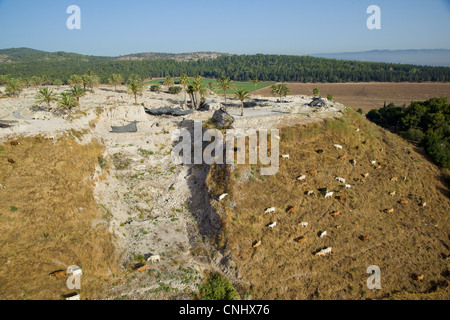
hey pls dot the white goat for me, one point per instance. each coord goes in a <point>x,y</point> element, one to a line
<point>223,196</point>
<point>329,195</point>
<point>272,225</point>
<point>154,258</point>
<point>304,224</point>
<point>301,178</point>
<point>347,186</point>
<point>285,156</point>
<point>337,146</point>
<point>270,210</point>
<point>323,234</point>
<point>341,180</point>
<point>324,252</point>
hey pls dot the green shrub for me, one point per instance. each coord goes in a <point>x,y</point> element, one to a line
<point>155,88</point>
<point>413,134</point>
<point>175,89</point>
<point>217,288</point>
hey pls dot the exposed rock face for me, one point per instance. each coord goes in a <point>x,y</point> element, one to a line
<point>222,119</point>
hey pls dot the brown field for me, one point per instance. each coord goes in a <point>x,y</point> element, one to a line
<point>370,95</point>
<point>411,241</point>
<point>50,220</point>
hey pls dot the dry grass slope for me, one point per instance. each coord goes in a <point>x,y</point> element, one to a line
<point>47,216</point>
<point>411,241</point>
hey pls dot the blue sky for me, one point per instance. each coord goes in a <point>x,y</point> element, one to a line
<point>244,27</point>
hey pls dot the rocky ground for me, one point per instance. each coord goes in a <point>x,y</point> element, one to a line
<point>153,205</point>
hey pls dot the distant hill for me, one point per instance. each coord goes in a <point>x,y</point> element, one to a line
<point>432,57</point>
<point>59,66</point>
<point>25,55</point>
<point>192,56</point>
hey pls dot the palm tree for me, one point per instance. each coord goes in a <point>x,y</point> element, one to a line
<point>75,80</point>
<point>135,87</point>
<point>242,95</point>
<point>184,80</point>
<point>114,80</point>
<point>90,80</point>
<point>77,92</point>
<point>66,101</point>
<point>168,82</point>
<point>255,82</point>
<point>14,87</point>
<point>46,95</point>
<point>225,84</point>
<point>281,90</point>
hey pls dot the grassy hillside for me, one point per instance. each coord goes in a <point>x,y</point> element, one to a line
<point>50,220</point>
<point>411,241</point>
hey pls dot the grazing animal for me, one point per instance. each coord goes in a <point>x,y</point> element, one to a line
<point>256,244</point>
<point>342,198</point>
<point>366,175</point>
<point>384,163</point>
<point>392,193</point>
<point>336,213</point>
<point>14,143</point>
<point>353,162</point>
<point>423,204</point>
<point>313,172</point>
<point>304,224</point>
<point>389,210</point>
<point>272,225</point>
<point>301,178</point>
<point>292,209</point>
<point>143,268</point>
<point>337,146</point>
<point>323,234</point>
<point>49,137</point>
<point>223,196</point>
<point>377,168</point>
<point>58,274</point>
<point>357,130</point>
<point>420,277</point>
<point>2,187</point>
<point>341,180</point>
<point>324,252</point>
<point>364,238</point>
<point>347,186</point>
<point>342,157</point>
<point>285,156</point>
<point>320,151</point>
<point>301,239</point>
<point>11,160</point>
<point>310,193</point>
<point>373,162</point>
<point>154,258</point>
<point>338,226</point>
<point>270,210</point>
<point>404,202</point>
<point>329,195</point>
<point>394,179</point>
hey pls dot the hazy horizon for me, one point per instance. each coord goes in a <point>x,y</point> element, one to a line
<point>114,28</point>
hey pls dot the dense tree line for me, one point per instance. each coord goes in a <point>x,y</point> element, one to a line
<point>427,122</point>
<point>280,68</point>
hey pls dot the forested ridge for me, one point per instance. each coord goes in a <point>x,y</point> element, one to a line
<point>280,68</point>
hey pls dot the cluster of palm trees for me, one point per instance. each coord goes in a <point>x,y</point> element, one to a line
<point>81,84</point>
<point>66,100</point>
